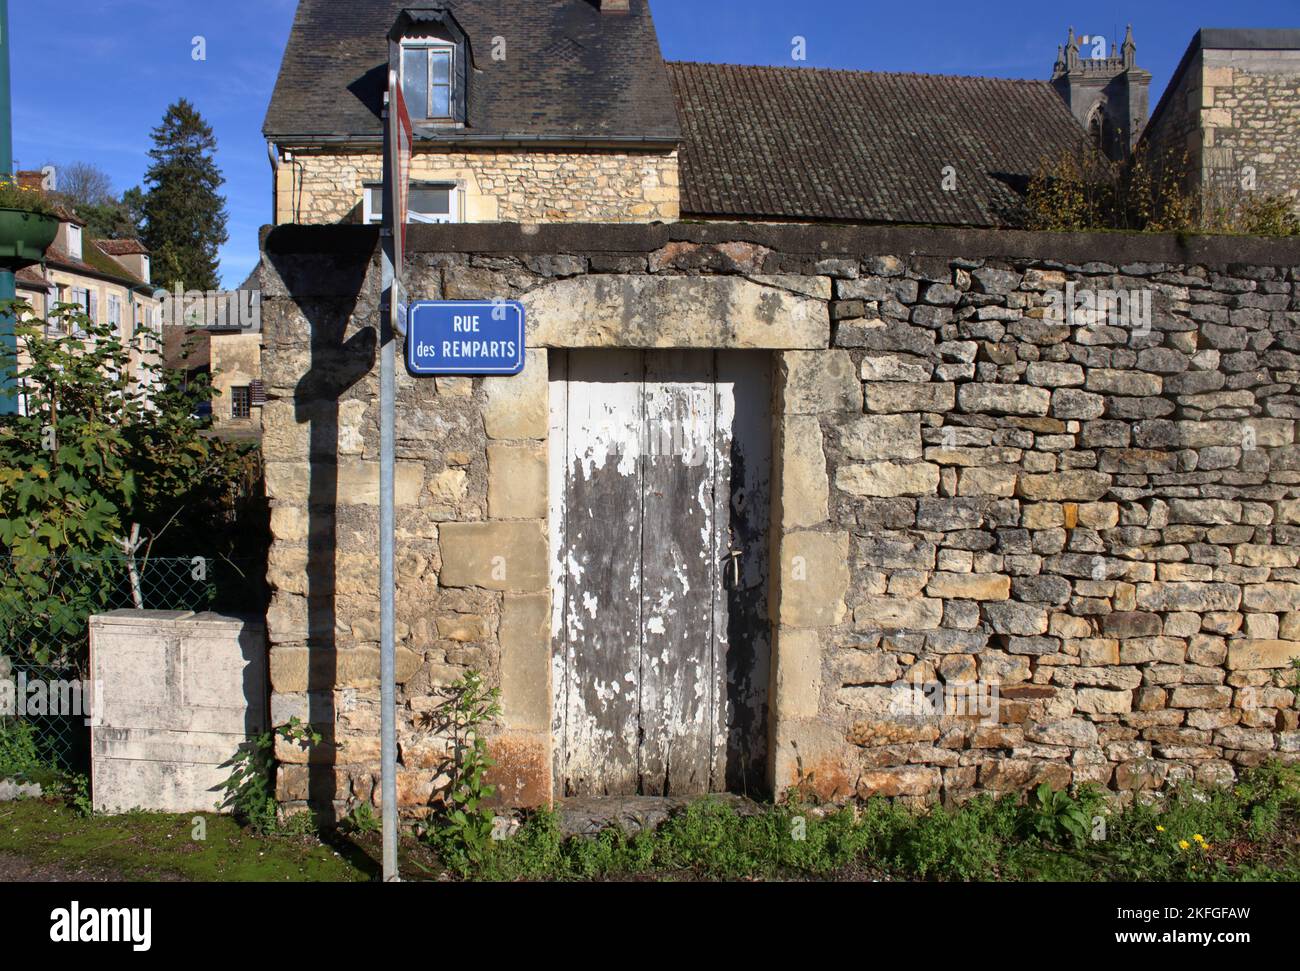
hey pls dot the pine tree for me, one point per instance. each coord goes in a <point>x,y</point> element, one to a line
<point>184,214</point>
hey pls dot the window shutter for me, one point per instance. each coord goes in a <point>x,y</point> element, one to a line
<point>93,312</point>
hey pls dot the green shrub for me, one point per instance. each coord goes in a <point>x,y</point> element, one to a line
<point>20,760</point>
<point>15,196</point>
<point>105,460</point>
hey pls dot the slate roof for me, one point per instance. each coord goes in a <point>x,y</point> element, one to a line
<point>810,144</point>
<point>122,247</point>
<point>186,348</point>
<point>570,72</point>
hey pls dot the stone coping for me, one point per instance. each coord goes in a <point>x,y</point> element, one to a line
<point>151,618</point>
<point>829,241</point>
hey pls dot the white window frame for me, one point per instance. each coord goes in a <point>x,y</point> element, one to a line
<point>428,44</point>
<point>74,241</point>
<point>373,217</point>
<point>52,299</point>
<point>114,310</point>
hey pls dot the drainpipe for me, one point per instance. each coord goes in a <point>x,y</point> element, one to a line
<point>8,383</point>
<point>273,154</point>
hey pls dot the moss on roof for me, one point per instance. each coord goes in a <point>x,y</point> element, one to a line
<point>101,262</point>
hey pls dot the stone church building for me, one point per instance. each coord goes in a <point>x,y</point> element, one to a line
<point>819,471</point>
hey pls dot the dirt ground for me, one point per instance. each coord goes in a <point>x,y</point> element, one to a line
<point>15,869</point>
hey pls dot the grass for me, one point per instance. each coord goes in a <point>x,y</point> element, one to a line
<point>1250,831</point>
<point>158,846</point>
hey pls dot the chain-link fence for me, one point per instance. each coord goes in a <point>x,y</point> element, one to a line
<point>45,610</point>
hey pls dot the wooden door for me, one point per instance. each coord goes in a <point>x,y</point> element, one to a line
<point>660,498</point>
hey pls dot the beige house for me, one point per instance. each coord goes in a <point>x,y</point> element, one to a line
<point>219,334</point>
<point>107,278</point>
<point>235,359</point>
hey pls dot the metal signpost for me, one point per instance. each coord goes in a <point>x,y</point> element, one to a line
<point>445,337</point>
<point>397,181</point>
<point>8,398</point>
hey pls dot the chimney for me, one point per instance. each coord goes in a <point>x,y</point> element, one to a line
<point>615,6</point>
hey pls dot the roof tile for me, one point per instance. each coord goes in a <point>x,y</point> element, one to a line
<point>856,146</point>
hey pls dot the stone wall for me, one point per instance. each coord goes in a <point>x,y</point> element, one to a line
<point>1236,114</point>
<point>521,187</point>
<point>1076,532</point>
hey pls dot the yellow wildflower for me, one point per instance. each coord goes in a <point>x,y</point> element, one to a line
<point>1199,838</point>
<point>1160,829</point>
<point>1184,845</point>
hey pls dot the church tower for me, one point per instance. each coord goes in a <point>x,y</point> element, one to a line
<point>1108,95</point>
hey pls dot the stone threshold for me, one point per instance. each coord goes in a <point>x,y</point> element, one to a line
<point>588,815</point>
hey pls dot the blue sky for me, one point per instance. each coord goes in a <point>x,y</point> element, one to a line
<point>90,84</point>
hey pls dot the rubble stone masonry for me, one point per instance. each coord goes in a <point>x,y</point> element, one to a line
<point>1236,113</point>
<point>1052,481</point>
<point>520,187</point>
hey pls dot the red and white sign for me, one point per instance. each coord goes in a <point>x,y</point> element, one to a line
<point>400,140</point>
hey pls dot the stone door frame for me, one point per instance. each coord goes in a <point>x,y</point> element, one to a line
<point>785,315</point>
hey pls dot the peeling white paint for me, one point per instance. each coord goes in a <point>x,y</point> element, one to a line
<point>668,705</point>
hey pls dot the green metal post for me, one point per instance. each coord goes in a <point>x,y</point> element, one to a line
<point>8,397</point>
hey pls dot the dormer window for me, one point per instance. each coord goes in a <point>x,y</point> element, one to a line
<point>74,241</point>
<point>429,72</point>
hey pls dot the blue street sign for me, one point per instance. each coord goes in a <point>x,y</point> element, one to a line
<point>465,337</point>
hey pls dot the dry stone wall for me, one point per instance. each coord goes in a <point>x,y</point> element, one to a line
<point>1037,498</point>
<point>1090,516</point>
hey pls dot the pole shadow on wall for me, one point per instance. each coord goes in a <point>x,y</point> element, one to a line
<point>325,283</point>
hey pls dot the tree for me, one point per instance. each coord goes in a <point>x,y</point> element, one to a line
<point>88,190</point>
<point>105,468</point>
<point>184,213</point>
<point>83,184</point>
<point>110,220</point>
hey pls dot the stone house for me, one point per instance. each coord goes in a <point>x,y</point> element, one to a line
<point>548,112</point>
<point>1233,106</point>
<point>235,356</point>
<point>219,334</point>
<point>780,497</point>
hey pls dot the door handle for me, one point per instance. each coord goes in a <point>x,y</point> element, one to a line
<point>734,556</point>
